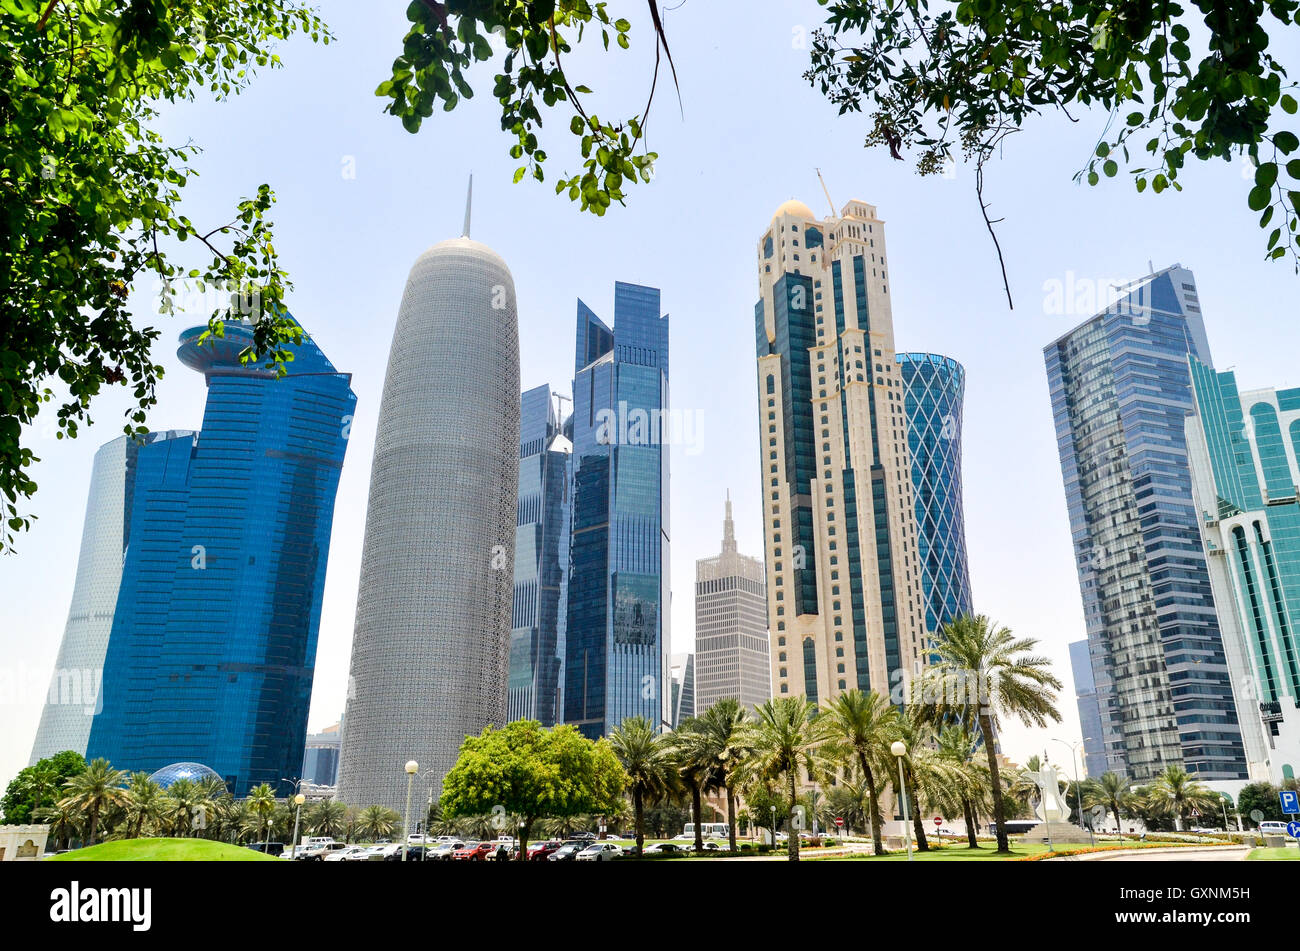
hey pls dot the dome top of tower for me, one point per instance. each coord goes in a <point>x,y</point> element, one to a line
<point>796,208</point>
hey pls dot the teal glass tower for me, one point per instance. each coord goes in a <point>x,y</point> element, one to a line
<point>1244,448</point>
<point>616,659</point>
<point>213,644</point>
<point>934,388</point>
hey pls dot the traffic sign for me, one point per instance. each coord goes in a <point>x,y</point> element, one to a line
<point>938,820</point>
<point>1293,829</point>
<point>839,822</point>
<point>1290,801</point>
<point>1257,815</point>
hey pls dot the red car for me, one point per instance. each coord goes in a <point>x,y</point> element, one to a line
<point>540,851</point>
<point>474,851</point>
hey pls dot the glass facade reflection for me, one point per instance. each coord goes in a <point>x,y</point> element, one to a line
<point>1120,390</point>
<point>213,641</point>
<point>541,562</point>
<point>934,388</point>
<point>1244,447</point>
<point>617,630</point>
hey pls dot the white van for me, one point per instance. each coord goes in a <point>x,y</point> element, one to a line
<point>1272,828</point>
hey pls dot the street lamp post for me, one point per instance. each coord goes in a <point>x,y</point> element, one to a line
<point>412,767</point>
<point>293,847</point>
<point>773,808</point>
<point>899,749</point>
<point>1078,788</point>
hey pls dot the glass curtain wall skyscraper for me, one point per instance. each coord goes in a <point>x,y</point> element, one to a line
<point>617,634</point>
<point>845,597</point>
<point>1120,390</point>
<point>1085,696</point>
<point>731,649</point>
<point>1244,448</point>
<point>541,562</point>
<point>934,389</point>
<point>74,696</point>
<point>213,643</point>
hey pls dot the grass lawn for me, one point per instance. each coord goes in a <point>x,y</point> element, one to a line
<point>163,850</point>
<point>950,853</point>
<point>1274,855</point>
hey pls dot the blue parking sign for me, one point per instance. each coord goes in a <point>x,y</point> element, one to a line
<point>1290,801</point>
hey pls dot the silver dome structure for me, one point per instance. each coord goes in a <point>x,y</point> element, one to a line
<point>194,772</point>
<point>431,645</point>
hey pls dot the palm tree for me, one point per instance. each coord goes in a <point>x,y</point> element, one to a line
<point>94,790</point>
<point>1009,681</point>
<point>182,800</point>
<point>144,804</point>
<point>926,775</point>
<point>785,742</point>
<point>1175,793</point>
<point>859,727</point>
<point>377,822</point>
<point>968,781</point>
<point>261,803</point>
<point>329,817</point>
<point>693,765</point>
<point>647,760</point>
<point>729,737</point>
<point>1111,792</point>
<point>64,822</point>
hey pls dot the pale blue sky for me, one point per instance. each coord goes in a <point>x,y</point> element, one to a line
<point>751,135</point>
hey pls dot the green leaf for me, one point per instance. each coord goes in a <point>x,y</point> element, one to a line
<point>1259,198</point>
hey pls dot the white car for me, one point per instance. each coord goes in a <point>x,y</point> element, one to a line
<point>353,853</point>
<point>1272,828</point>
<point>600,852</point>
<point>417,838</point>
<point>378,853</point>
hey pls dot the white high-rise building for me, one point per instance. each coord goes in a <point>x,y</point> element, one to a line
<point>432,639</point>
<point>844,590</point>
<point>731,650</point>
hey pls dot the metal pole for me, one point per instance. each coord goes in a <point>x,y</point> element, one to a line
<point>293,847</point>
<point>907,819</point>
<point>406,820</point>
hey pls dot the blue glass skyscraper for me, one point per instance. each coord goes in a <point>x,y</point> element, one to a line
<point>541,562</point>
<point>1121,389</point>
<point>616,639</point>
<point>934,388</point>
<point>213,644</point>
<point>1085,696</point>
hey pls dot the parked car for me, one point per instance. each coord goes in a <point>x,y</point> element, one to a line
<point>568,851</point>
<point>474,852</point>
<point>541,851</point>
<point>585,836</point>
<point>600,852</point>
<point>349,853</point>
<point>666,848</point>
<point>444,851</point>
<point>380,853</point>
<point>1269,827</point>
<point>417,838</point>
<point>414,853</point>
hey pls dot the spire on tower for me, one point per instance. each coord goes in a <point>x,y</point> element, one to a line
<point>728,529</point>
<point>469,201</point>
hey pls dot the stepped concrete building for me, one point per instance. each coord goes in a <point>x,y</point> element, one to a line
<point>432,638</point>
<point>731,655</point>
<point>844,586</point>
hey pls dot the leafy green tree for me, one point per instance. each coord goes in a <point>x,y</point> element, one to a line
<point>647,760</point>
<point>949,79</point>
<point>785,746</point>
<point>531,39</point>
<point>91,791</point>
<point>39,786</point>
<point>531,772</point>
<point>326,817</point>
<point>91,203</point>
<point>767,805</point>
<point>1262,796</point>
<point>1007,681</point>
<point>859,727</point>
<point>64,822</point>
<point>261,806</point>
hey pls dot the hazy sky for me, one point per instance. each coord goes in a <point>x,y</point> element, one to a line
<point>748,136</point>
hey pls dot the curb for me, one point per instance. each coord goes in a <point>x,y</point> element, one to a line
<point>1129,853</point>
